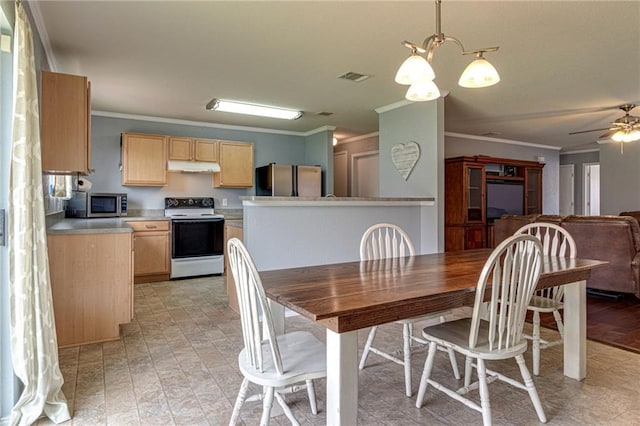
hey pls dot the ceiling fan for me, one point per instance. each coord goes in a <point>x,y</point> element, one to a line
<point>623,129</point>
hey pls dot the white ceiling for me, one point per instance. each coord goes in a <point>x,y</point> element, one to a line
<point>565,65</point>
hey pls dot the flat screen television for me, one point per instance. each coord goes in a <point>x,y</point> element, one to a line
<point>504,197</point>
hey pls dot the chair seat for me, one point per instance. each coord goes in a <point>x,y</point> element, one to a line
<point>543,304</point>
<point>303,356</point>
<point>455,334</point>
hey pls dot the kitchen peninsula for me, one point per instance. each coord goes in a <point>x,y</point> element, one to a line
<point>287,232</point>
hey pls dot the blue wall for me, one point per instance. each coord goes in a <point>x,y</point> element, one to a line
<point>268,148</point>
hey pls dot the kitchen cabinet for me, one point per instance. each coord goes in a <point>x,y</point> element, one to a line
<point>151,255</point>
<point>479,189</point>
<point>231,231</point>
<point>91,295</point>
<point>188,149</point>
<point>65,123</point>
<point>236,165</point>
<point>144,159</point>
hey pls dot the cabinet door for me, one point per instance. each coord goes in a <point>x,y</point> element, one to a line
<point>205,150</point>
<point>180,149</point>
<point>533,194</point>
<point>475,186</point>
<point>236,165</point>
<point>474,237</point>
<point>151,253</point>
<point>144,160</point>
<point>65,123</point>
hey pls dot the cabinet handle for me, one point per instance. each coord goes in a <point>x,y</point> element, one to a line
<point>150,226</point>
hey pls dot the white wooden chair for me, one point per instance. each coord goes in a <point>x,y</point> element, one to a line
<point>510,275</point>
<point>268,360</point>
<point>386,241</point>
<point>556,241</point>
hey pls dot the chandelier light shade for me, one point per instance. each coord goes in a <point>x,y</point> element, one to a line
<point>479,73</point>
<point>423,91</point>
<point>252,109</point>
<point>417,71</point>
<point>414,69</point>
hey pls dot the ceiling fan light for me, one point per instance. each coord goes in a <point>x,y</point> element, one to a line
<point>413,70</point>
<point>423,91</point>
<point>479,73</point>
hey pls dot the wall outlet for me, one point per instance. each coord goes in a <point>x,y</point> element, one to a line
<point>224,202</point>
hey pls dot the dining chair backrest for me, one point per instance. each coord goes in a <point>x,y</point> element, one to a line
<point>252,302</point>
<point>509,277</point>
<point>385,240</point>
<point>556,241</point>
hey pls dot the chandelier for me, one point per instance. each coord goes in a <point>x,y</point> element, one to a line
<point>417,73</point>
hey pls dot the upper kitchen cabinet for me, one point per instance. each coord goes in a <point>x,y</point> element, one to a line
<point>188,149</point>
<point>65,123</point>
<point>236,165</point>
<point>144,159</point>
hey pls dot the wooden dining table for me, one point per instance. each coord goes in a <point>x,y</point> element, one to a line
<point>347,297</point>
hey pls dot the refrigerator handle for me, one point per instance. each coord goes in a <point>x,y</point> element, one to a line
<point>294,180</point>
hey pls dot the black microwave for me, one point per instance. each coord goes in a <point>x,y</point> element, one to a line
<point>91,204</point>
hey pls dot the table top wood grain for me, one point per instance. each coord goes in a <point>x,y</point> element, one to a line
<point>353,295</point>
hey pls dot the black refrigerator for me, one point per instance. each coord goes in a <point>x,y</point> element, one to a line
<point>287,180</point>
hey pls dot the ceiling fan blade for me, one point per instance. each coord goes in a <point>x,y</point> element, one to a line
<point>588,131</point>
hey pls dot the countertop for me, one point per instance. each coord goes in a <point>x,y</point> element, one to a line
<point>112,225</point>
<point>335,201</point>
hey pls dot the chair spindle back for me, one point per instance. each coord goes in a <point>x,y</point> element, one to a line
<point>252,302</point>
<point>385,240</point>
<point>556,241</point>
<point>512,270</point>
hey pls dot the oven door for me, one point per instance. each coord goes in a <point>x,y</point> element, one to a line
<point>197,237</point>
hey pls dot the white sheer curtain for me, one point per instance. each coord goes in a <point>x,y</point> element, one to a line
<point>34,347</point>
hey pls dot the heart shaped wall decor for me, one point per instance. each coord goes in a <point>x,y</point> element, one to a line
<point>404,157</point>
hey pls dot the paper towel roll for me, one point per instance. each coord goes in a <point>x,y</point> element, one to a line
<point>84,185</point>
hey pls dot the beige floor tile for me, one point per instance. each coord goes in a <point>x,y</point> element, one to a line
<point>177,364</point>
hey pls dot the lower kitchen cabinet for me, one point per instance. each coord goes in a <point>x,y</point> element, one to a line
<point>91,285</point>
<point>231,231</point>
<point>152,259</point>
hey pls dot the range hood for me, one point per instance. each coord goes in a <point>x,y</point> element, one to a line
<point>193,166</point>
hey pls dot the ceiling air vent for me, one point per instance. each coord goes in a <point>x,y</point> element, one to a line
<point>325,113</point>
<point>354,76</point>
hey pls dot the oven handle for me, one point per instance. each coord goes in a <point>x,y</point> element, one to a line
<point>213,219</point>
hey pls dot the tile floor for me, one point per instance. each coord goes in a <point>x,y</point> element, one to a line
<point>176,364</point>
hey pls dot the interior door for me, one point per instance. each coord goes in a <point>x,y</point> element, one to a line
<point>591,189</point>
<point>566,190</point>
<point>340,188</point>
<point>365,171</point>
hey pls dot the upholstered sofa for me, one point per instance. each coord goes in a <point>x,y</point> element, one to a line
<point>615,239</point>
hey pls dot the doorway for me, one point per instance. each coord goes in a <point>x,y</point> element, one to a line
<point>567,196</point>
<point>340,174</point>
<point>365,170</point>
<point>591,181</point>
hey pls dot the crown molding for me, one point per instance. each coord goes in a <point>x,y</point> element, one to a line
<point>360,137</point>
<point>499,140</point>
<point>580,151</point>
<point>318,130</point>
<point>36,14</point>
<point>204,123</point>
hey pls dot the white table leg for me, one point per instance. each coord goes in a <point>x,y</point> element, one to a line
<point>342,378</point>
<point>575,330</point>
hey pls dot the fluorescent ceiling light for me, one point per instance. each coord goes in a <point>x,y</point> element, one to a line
<point>251,109</point>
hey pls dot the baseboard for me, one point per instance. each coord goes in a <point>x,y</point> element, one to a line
<point>604,293</point>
